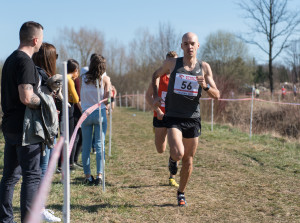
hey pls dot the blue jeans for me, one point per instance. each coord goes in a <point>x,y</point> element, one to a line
<point>19,161</point>
<point>45,157</point>
<point>92,121</point>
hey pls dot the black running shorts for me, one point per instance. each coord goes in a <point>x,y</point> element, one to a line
<point>190,127</point>
<point>159,123</point>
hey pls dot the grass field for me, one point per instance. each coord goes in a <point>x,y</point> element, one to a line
<point>234,179</point>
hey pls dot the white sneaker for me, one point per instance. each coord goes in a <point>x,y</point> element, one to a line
<point>48,216</point>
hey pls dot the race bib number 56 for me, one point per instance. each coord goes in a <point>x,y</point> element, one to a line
<point>186,85</point>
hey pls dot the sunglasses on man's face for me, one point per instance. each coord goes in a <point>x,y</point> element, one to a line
<point>56,56</point>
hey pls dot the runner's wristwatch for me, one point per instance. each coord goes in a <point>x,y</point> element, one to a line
<point>207,87</point>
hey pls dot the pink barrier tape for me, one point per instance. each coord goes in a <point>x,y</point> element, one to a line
<point>255,99</point>
<point>40,197</point>
<point>282,103</point>
<point>128,95</point>
<point>80,121</point>
<point>222,99</point>
<point>238,99</point>
<point>233,99</point>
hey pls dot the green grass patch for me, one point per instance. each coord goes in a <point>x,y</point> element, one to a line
<point>235,179</point>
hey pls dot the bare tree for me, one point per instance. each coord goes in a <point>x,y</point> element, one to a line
<point>80,44</point>
<point>146,52</point>
<point>140,48</point>
<point>166,40</point>
<point>228,56</point>
<point>273,21</point>
<point>1,66</point>
<point>293,58</point>
<point>116,58</point>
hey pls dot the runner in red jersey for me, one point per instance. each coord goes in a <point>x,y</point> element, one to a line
<point>283,92</point>
<point>162,92</point>
<point>159,122</point>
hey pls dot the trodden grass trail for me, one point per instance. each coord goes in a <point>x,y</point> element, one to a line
<point>234,179</point>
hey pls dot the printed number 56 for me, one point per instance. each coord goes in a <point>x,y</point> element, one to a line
<point>184,86</point>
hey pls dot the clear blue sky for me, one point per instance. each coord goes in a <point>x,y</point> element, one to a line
<point>119,19</point>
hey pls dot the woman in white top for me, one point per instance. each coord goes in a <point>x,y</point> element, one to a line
<point>89,97</point>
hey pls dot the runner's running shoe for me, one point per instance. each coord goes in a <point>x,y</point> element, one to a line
<point>173,167</point>
<point>172,182</point>
<point>181,200</point>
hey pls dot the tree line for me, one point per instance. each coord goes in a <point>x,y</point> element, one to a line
<point>130,66</point>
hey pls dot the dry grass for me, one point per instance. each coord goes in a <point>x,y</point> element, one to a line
<point>283,120</point>
<point>268,118</point>
<point>234,179</point>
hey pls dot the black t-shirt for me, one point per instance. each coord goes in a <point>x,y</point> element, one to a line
<point>18,69</point>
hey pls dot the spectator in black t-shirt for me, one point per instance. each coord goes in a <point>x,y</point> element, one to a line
<point>18,89</point>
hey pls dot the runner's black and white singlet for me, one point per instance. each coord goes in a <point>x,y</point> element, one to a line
<point>182,100</point>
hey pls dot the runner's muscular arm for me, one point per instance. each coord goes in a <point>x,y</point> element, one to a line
<point>150,100</point>
<point>149,94</point>
<point>28,97</point>
<point>166,68</point>
<point>207,78</point>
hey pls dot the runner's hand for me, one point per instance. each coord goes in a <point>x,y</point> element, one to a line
<point>160,114</point>
<point>157,102</point>
<point>201,81</point>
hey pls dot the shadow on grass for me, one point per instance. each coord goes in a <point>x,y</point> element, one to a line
<point>138,186</point>
<point>252,157</point>
<point>80,181</point>
<point>16,209</point>
<point>165,205</point>
<point>145,186</point>
<point>96,207</point>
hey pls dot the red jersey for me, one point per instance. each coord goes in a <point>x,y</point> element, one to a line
<point>162,91</point>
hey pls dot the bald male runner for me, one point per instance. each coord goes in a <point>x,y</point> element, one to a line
<point>188,77</point>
